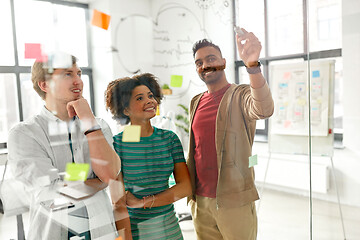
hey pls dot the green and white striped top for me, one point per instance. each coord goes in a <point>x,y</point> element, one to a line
<point>146,167</point>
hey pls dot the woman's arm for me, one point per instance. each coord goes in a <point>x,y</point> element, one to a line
<point>121,215</point>
<point>181,189</point>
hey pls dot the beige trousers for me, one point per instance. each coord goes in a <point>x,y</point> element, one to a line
<point>224,223</point>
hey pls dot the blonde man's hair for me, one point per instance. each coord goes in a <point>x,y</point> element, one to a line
<point>40,72</point>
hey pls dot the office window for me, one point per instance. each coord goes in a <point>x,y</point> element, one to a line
<point>246,13</point>
<point>286,40</point>
<point>57,27</point>
<point>32,102</point>
<point>338,97</point>
<point>285,27</point>
<point>8,97</point>
<point>6,39</point>
<point>325,25</point>
<point>34,24</point>
<point>70,32</point>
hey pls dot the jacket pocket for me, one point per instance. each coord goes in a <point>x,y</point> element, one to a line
<point>231,180</point>
<point>228,149</point>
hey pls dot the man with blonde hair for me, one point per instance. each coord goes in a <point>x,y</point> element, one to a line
<point>65,131</point>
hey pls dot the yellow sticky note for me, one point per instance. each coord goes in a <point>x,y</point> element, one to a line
<point>157,111</point>
<point>301,102</point>
<point>253,160</point>
<point>100,19</point>
<point>131,133</point>
<point>76,171</point>
<point>176,80</point>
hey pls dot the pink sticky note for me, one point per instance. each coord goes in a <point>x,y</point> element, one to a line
<point>33,51</point>
<point>287,123</point>
<point>287,75</point>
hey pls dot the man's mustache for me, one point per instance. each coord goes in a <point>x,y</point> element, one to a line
<point>214,68</point>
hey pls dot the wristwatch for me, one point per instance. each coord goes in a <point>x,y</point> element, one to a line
<point>254,69</point>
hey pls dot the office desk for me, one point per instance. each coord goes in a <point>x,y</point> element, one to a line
<point>98,217</point>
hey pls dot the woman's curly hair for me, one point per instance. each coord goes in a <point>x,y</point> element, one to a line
<point>119,91</point>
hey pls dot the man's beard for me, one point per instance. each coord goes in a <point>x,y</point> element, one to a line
<point>211,69</point>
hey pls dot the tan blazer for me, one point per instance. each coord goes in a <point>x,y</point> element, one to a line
<point>238,111</point>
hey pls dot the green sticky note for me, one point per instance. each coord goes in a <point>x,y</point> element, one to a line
<point>172,181</point>
<point>131,133</point>
<point>252,160</point>
<point>176,80</point>
<point>76,171</point>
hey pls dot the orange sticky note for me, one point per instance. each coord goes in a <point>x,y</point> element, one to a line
<point>119,238</point>
<point>100,19</point>
<point>33,51</point>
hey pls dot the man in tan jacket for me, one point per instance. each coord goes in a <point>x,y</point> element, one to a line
<point>222,122</point>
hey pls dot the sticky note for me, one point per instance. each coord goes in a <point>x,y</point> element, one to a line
<point>131,133</point>
<point>253,160</point>
<point>316,74</point>
<point>301,101</point>
<point>76,171</point>
<point>287,75</point>
<point>119,238</point>
<point>100,19</point>
<point>157,111</point>
<point>172,181</point>
<point>176,80</point>
<point>33,51</point>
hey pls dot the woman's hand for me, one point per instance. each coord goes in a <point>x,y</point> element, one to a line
<point>132,201</point>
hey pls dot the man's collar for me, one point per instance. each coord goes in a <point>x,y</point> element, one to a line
<point>50,115</point>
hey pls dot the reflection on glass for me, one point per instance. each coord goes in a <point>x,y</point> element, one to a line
<point>285,27</point>
<point>9,112</point>
<point>6,40</point>
<point>31,101</point>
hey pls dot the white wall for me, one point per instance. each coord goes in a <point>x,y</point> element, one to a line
<point>156,36</point>
<point>351,55</point>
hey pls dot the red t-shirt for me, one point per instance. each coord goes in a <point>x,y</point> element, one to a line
<point>203,127</point>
